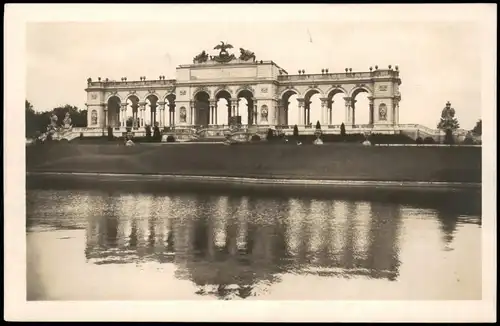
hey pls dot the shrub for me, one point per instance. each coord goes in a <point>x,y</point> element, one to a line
<point>110,133</point>
<point>270,134</point>
<point>157,134</point>
<point>170,139</point>
<point>419,140</point>
<point>255,138</point>
<point>342,130</point>
<point>429,140</point>
<point>468,140</point>
<point>295,131</point>
<point>318,125</point>
<point>148,132</point>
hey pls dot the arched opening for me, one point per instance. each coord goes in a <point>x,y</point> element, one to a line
<point>312,108</point>
<point>151,110</point>
<point>223,109</point>
<point>202,109</point>
<point>113,117</point>
<point>132,112</point>
<point>246,107</point>
<point>169,113</point>
<point>289,108</point>
<point>362,114</point>
<point>336,107</point>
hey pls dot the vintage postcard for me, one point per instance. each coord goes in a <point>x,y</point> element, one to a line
<point>250,162</point>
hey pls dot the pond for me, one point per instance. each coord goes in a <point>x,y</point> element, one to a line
<point>116,245</point>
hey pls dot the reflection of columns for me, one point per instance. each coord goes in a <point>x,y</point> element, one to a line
<point>348,113</point>
<point>301,111</point>
<point>142,108</point>
<point>123,118</point>
<point>370,105</point>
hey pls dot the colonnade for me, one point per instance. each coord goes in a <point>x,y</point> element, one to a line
<point>304,111</point>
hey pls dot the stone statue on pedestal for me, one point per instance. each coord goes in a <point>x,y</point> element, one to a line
<point>67,121</point>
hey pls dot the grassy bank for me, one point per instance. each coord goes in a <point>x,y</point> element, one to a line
<point>331,161</point>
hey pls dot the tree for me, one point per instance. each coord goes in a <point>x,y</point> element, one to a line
<point>295,131</point>
<point>477,130</point>
<point>342,129</point>
<point>318,125</point>
<point>270,134</point>
<point>32,120</point>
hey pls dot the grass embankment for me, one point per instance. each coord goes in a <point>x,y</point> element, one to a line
<point>330,161</point>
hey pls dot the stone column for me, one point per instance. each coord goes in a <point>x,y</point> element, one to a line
<point>372,113</point>
<point>348,113</point>
<point>301,111</point>
<point>280,115</point>
<point>123,119</point>
<point>213,110</point>
<point>161,106</point>
<point>395,105</point>
<point>235,109</point>
<point>330,113</point>
<point>105,116</point>
<point>142,108</point>
<point>324,111</point>
<point>255,112</point>
<point>192,112</point>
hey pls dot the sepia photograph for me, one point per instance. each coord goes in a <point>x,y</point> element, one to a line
<point>230,158</point>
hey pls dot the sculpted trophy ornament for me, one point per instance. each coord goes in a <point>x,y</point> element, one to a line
<point>247,55</point>
<point>201,58</point>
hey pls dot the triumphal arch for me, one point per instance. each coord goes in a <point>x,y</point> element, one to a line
<point>193,98</point>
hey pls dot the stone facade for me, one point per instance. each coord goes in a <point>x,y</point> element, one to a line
<point>191,99</point>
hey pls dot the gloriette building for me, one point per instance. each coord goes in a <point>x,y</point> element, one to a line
<point>191,99</point>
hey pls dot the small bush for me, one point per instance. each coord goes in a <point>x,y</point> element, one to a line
<point>318,125</point>
<point>170,139</point>
<point>270,134</point>
<point>255,138</point>
<point>342,130</point>
<point>429,140</point>
<point>157,134</point>
<point>419,140</point>
<point>295,131</point>
<point>148,132</point>
<point>468,140</point>
<point>110,133</point>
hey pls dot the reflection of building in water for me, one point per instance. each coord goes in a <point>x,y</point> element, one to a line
<point>232,246</point>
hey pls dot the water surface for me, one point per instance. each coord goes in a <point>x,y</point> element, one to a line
<point>91,245</point>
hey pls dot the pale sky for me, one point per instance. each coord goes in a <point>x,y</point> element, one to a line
<point>438,61</point>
